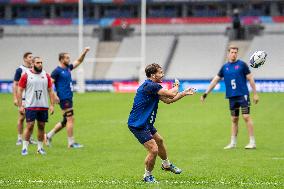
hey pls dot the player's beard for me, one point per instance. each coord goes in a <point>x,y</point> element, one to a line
<point>38,70</point>
<point>66,64</point>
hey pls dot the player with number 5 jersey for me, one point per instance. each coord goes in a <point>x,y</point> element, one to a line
<point>236,73</point>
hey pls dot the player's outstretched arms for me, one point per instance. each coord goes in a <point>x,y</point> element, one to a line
<point>212,85</point>
<point>189,91</point>
<point>171,93</point>
<point>168,93</point>
<point>77,62</point>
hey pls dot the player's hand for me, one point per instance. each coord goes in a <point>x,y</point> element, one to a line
<point>202,98</point>
<point>255,98</point>
<point>190,91</point>
<point>22,109</point>
<point>16,102</point>
<point>176,83</point>
<point>51,109</point>
<point>87,49</point>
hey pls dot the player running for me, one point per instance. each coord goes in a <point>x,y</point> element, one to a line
<point>236,73</point>
<point>61,77</point>
<point>38,86</point>
<point>28,57</point>
<point>143,114</point>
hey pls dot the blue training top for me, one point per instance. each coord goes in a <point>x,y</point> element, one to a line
<point>145,106</point>
<point>63,82</point>
<point>234,75</point>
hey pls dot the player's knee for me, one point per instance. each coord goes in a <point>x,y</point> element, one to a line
<point>160,141</point>
<point>235,119</point>
<point>40,127</point>
<point>246,117</point>
<point>21,119</point>
<point>69,116</point>
<point>70,119</point>
<point>30,127</point>
<point>154,150</point>
<point>63,122</point>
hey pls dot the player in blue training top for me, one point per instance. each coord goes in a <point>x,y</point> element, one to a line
<point>143,114</point>
<point>61,77</point>
<point>21,70</point>
<point>236,73</point>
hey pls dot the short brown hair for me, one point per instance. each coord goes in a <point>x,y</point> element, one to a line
<point>152,69</point>
<point>233,47</point>
<point>26,54</point>
<point>61,56</point>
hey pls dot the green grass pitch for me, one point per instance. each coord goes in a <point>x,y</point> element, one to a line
<point>194,133</point>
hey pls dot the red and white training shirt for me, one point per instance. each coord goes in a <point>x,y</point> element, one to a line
<point>36,87</point>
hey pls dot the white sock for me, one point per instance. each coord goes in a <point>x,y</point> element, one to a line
<point>50,134</point>
<point>147,173</point>
<point>20,136</point>
<point>70,140</point>
<point>234,140</point>
<point>25,144</point>
<point>166,163</point>
<point>39,145</point>
<point>251,140</point>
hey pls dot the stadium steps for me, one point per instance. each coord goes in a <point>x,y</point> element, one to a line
<point>171,54</point>
<point>243,48</point>
<point>105,50</point>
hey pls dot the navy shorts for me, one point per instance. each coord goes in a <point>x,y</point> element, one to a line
<point>237,102</point>
<point>66,104</point>
<point>143,134</point>
<point>39,115</point>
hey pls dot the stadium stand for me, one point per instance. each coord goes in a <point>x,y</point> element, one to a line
<point>176,29</point>
<point>197,57</point>
<point>273,45</point>
<point>46,42</point>
<point>157,50</point>
<point>274,28</point>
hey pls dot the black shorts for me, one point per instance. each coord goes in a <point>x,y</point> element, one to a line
<point>143,134</point>
<point>66,104</point>
<point>237,102</point>
<point>39,115</point>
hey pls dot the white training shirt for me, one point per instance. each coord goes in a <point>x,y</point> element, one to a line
<point>36,87</point>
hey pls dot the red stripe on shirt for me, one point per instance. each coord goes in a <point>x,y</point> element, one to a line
<point>23,81</point>
<point>49,81</point>
<point>35,108</point>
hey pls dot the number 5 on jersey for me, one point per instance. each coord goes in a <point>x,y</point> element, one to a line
<point>233,84</point>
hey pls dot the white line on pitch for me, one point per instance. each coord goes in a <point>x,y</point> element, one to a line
<point>277,158</point>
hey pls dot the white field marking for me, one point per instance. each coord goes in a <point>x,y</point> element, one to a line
<point>277,158</point>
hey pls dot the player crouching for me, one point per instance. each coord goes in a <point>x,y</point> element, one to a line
<point>143,114</point>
